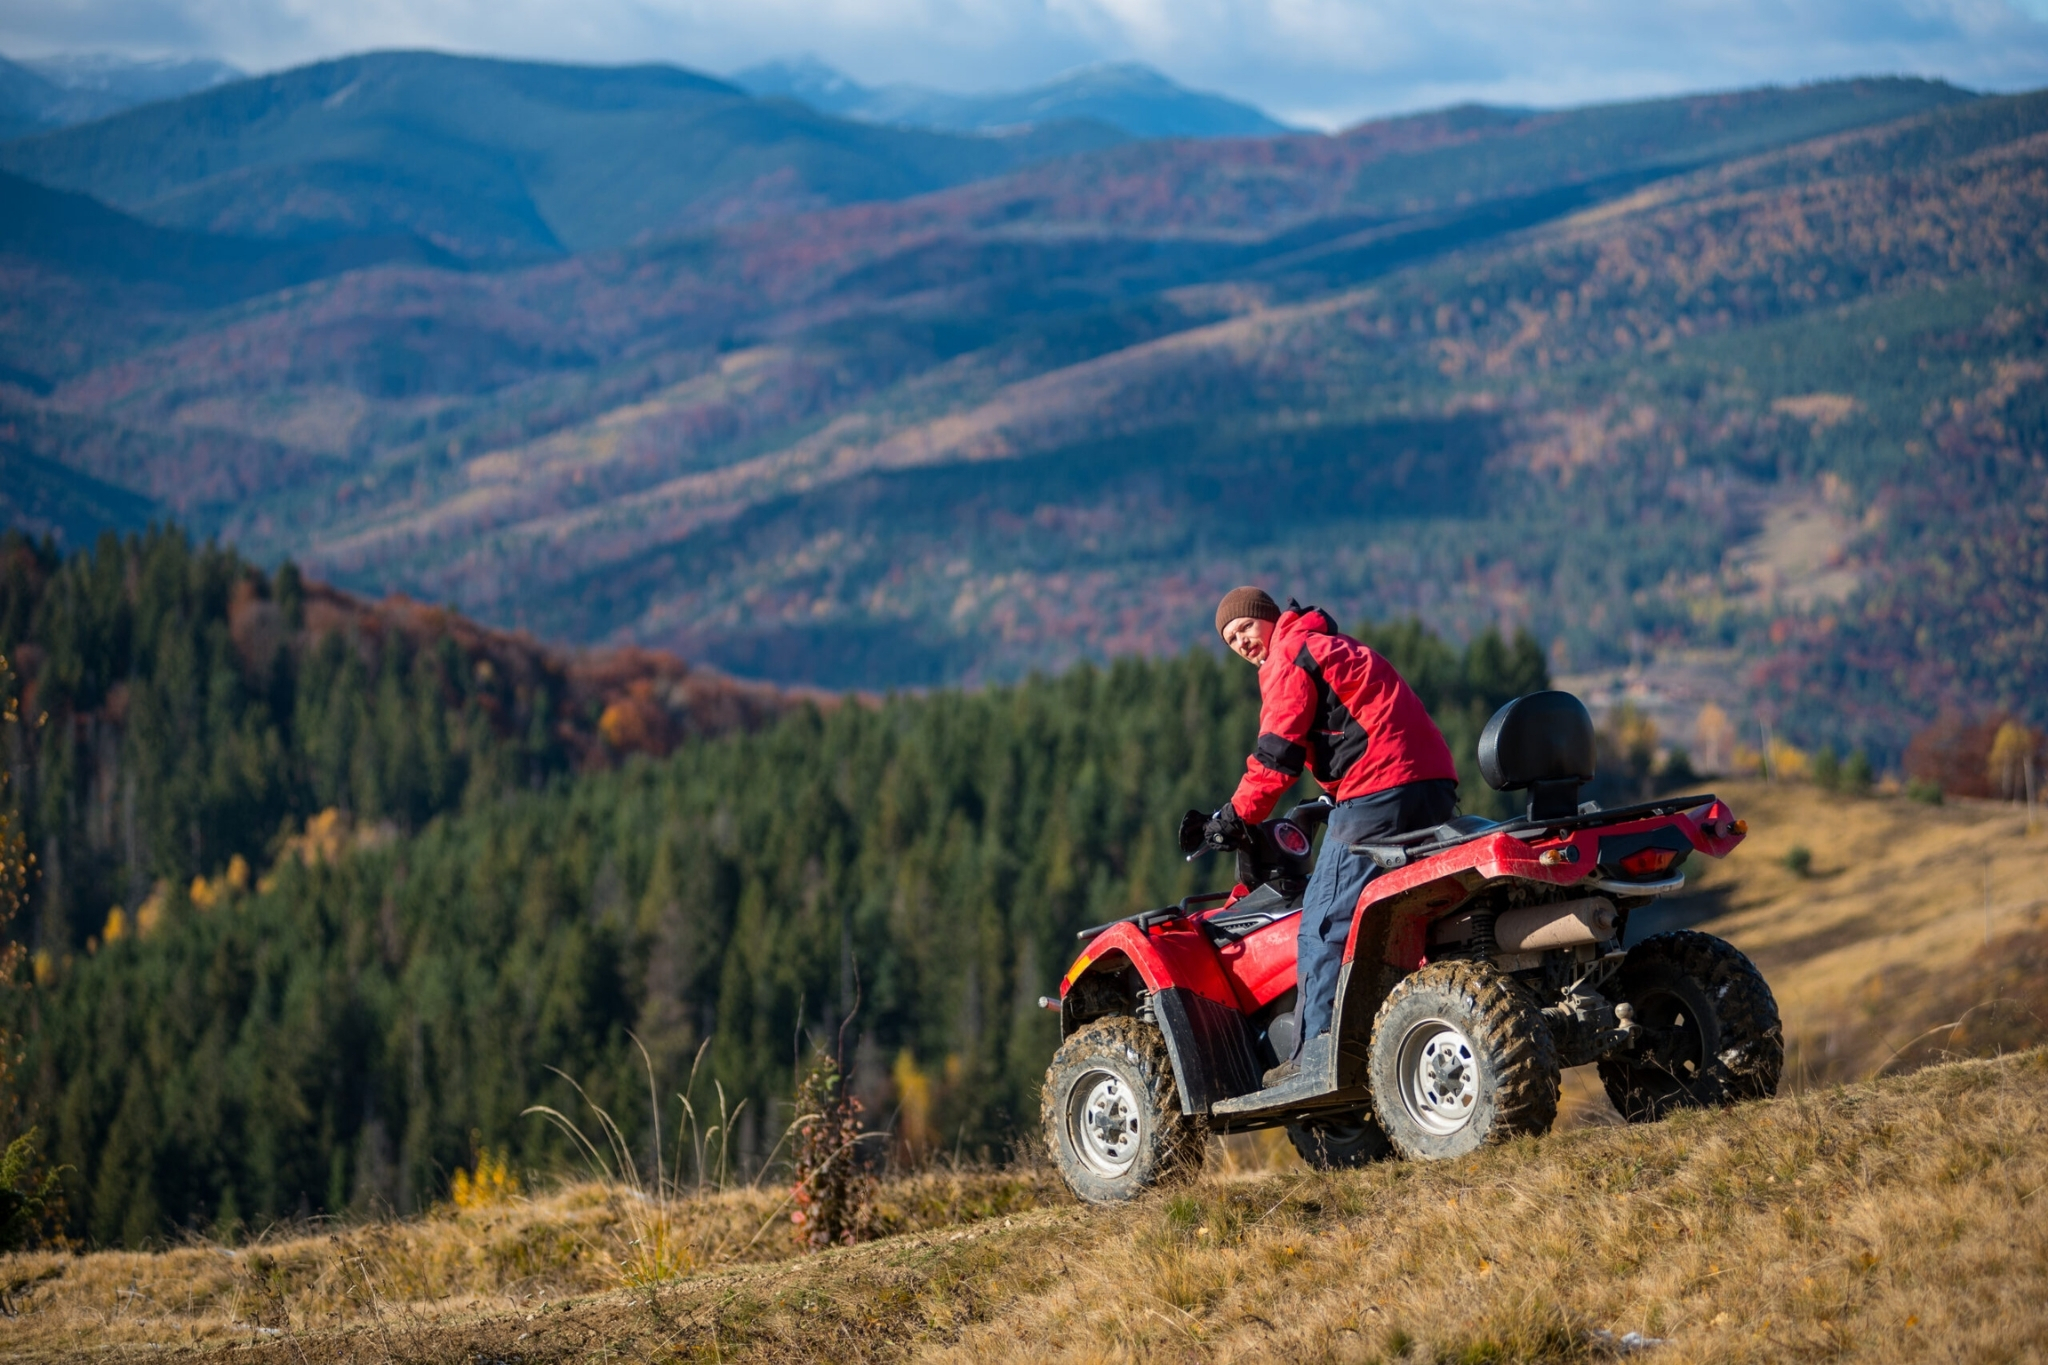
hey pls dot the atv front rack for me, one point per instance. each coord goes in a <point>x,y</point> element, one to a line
<point>1144,920</point>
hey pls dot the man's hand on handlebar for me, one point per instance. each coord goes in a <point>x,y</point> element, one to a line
<point>1225,829</point>
<point>1201,833</point>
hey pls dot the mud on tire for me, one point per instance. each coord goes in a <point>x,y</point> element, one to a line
<point>1714,1036</point>
<point>1112,1113</point>
<point>1460,1058</point>
<point>1341,1142</point>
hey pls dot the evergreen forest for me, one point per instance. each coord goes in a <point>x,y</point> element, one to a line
<point>377,905</point>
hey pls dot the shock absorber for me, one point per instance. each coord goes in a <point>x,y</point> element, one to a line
<point>1482,947</point>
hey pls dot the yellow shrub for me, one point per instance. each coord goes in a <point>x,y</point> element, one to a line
<point>1788,761</point>
<point>492,1182</point>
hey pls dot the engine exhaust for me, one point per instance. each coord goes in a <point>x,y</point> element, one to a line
<point>1540,928</point>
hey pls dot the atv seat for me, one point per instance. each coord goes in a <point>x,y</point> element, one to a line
<point>1455,830</point>
<point>1542,743</point>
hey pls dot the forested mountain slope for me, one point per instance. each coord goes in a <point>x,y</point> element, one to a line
<point>189,712</point>
<point>437,930</point>
<point>1607,372</point>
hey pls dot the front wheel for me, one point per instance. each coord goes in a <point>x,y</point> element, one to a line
<point>1460,1058</point>
<point>1341,1143</point>
<point>1711,1035</point>
<point>1112,1113</point>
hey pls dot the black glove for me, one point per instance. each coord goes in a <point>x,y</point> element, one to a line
<point>1225,829</point>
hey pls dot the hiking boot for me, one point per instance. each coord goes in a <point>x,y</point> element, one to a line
<point>1307,1070</point>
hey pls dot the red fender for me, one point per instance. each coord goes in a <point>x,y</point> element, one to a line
<point>1172,954</point>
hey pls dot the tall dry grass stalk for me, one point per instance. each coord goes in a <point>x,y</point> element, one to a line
<point>651,1246</point>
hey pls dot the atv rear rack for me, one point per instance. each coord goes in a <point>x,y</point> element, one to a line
<point>1403,849</point>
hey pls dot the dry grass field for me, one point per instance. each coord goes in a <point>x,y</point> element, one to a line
<point>1884,1208</point>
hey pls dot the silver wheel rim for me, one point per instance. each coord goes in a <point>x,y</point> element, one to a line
<point>1439,1077</point>
<point>1104,1122</point>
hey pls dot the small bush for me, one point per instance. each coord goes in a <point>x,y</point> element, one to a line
<point>1856,774</point>
<point>1825,769</point>
<point>29,1195</point>
<point>1800,860</point>
<point>834,1190</point>
<point>1920,789</point>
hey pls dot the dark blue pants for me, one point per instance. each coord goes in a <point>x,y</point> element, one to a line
<point>1340,878</point>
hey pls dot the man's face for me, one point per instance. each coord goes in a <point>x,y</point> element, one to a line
<point>1248,637</point>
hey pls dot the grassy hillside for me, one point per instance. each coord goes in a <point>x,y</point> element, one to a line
<point>1885,1221</point>
<point>494,160</point>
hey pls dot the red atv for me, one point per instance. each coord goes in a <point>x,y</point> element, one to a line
<point>1483,958</point>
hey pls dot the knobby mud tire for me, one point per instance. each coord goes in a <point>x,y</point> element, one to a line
<point>1168,1144</point>
<point>1341,1143</point>
<point>1738,1055</point>
<point>1516,1085</point>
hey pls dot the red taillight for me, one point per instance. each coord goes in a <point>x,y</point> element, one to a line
<point>1648,862</point>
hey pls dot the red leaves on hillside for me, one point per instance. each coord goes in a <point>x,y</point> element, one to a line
<point>602,704</point>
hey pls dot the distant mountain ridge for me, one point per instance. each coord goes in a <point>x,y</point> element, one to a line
<point>497,161</point>
<point>1128,96</point>
<point>53,92</point>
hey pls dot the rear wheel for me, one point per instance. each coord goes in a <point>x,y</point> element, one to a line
<point>1341,1142</point>
<point>1711,1035</point>
<point>1460,1058</point>
<point>1112,1113</point>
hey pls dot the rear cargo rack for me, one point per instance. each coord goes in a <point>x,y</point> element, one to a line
<point>1405,849</point>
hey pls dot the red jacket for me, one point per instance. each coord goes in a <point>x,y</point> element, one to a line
<point>1330,702</point>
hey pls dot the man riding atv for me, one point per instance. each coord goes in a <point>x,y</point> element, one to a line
<point>1445,976</point>
<point>1333,704</point>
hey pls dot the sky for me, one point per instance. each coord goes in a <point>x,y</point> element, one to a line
<point>1320,63</point>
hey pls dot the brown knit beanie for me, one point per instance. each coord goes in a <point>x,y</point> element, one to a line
<point>1247,602</point>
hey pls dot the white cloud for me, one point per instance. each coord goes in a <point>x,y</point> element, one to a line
<point>1322,61</point>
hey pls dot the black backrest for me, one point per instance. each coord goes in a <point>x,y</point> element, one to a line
<point>1545,742</point>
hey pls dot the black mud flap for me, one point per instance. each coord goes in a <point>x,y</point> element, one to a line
<point>1211,1048</point>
